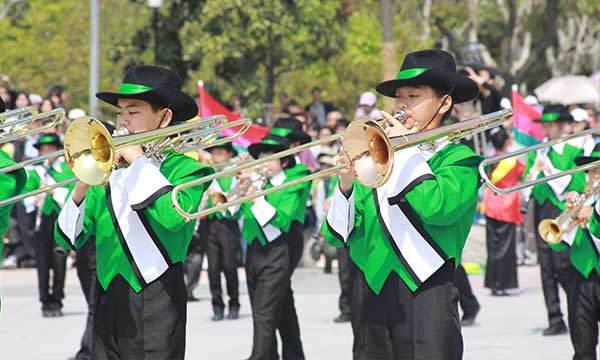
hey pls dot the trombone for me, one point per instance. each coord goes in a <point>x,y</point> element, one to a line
<point>552,230</point>
<point>22,127</point>
<point>89,148</point>
<point>17,113</point>
<point>365,139</point>
<point>537,181</point>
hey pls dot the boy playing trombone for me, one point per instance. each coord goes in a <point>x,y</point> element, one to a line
<point>407,236</point>
<point>141,240</point>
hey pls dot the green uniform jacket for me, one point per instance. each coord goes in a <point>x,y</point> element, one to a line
<point>59,172</point>
<point>11,184</point>
<point>585,248</point>
<point>562,157</point>
<point>269,217</point>
<point>138,232</point>
<point>438,198</point>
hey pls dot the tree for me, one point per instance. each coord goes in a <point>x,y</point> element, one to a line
<point>251,44</point>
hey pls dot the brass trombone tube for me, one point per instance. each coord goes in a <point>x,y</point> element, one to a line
<point>30,162</point>
<point>56,115</point>
<point>189,216</point>
<point>28,111</point>
<point>495,159</point>
<point>41,190</point>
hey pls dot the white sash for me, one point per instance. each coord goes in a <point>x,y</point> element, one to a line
<point>417,253</point>
<point>144,251</point>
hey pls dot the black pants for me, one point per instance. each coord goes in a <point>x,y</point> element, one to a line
<point>584,314</point>
<point>468,301</point>
<point>267,274</point>
<point>195,257</point>
<point>85,261</point>
<point>345,279</point>
<point>555,266</point>
<point>224,254</point>
<point>48,259</point>
<point>288,327</point>
<point>399,324</point>
<point>146,325</point>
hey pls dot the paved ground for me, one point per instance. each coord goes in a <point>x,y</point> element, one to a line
<point>507,327</point>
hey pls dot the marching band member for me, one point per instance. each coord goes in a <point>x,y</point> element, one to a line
<point>584,245</point>
<point>267,226</point>
<point>549,202</point>
<point>288,327</point>
<point>407,236</point>
<point>48,205</point>
<point>223,248</point>
<point>141,240</point>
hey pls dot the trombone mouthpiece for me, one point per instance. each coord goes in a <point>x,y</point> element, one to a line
<point>400,115</point>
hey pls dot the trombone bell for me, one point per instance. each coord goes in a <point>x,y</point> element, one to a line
<point>550,231</point>
<point>89,151</point>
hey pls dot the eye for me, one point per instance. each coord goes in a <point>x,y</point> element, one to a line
<point>118,113</point>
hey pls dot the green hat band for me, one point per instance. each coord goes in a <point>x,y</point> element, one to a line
<point>270,142</point>
<point>551,116</point>
<point>410,73</point>
<point>595,154</point>
<point>128,89</point>
<point>47,139</point>
<point>283,132</point>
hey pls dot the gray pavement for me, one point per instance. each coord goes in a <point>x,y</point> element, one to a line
<point>506,328</point>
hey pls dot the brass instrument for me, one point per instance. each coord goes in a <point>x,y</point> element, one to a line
<point>26,118</point>
<point>365,139</point>
<point>552,230</point>
<point>486,162</point>
<point>89,148</point>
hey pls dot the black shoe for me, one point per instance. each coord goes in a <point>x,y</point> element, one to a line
<point>468,319</point>
<point>558,329</point>
<point>47,313</point>
<point>342,318</point>
<point>218,316</point>
<point>234,313</point>
<point>499,293</point>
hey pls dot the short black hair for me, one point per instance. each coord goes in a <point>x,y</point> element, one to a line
<point>499,136</point>
<point>342,122</point>
<point>440,93</point>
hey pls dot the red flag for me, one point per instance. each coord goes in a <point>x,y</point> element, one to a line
<point>209,106</point>
<point>527,132</point>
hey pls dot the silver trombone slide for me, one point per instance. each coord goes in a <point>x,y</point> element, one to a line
<point>495,159</point>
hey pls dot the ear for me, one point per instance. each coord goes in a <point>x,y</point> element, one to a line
<point>446,104</point>
<point>166,117</point>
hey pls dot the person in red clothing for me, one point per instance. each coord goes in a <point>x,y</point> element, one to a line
<point>502,214</point>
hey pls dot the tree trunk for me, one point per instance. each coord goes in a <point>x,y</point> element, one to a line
<point>389,67</point>
<point>269,71</point>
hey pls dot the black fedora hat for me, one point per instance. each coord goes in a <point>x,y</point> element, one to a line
<point>296,133</point>
<point>227,146</point>
<point>555,112</point>
<point>156,85</point>
<point>48,139</point>
<point>275,141</point>
<point>594,156</point>
<point>435,68</point>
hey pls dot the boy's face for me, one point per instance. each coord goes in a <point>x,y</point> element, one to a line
<point>593,175</point>
<point>551,130</point>
<point>272,167</point>
<point>220,155</point>
<point>46,149</point>
<point>137,116</point>
<point>421,104</point>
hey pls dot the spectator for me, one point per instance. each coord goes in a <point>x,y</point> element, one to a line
<point>22,100</point>
<point>489,96</point>
<point>332,119</point>
<point>36,100</point>
<point>318,109</point>
<point>283,102</point>
<point>7,92</point>
<point>366,104</point>
<point>59,96</point>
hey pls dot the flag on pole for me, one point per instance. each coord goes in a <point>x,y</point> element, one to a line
<point>526,131</point>
<point>209,106</point>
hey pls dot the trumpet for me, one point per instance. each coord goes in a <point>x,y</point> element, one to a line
<point>552,230</point>
<point>89,148</point>
<point>536,181</point>
<point>26,117</point>
<point>365,139</point>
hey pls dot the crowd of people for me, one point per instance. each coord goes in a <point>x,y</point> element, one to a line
<point>127,254</point>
